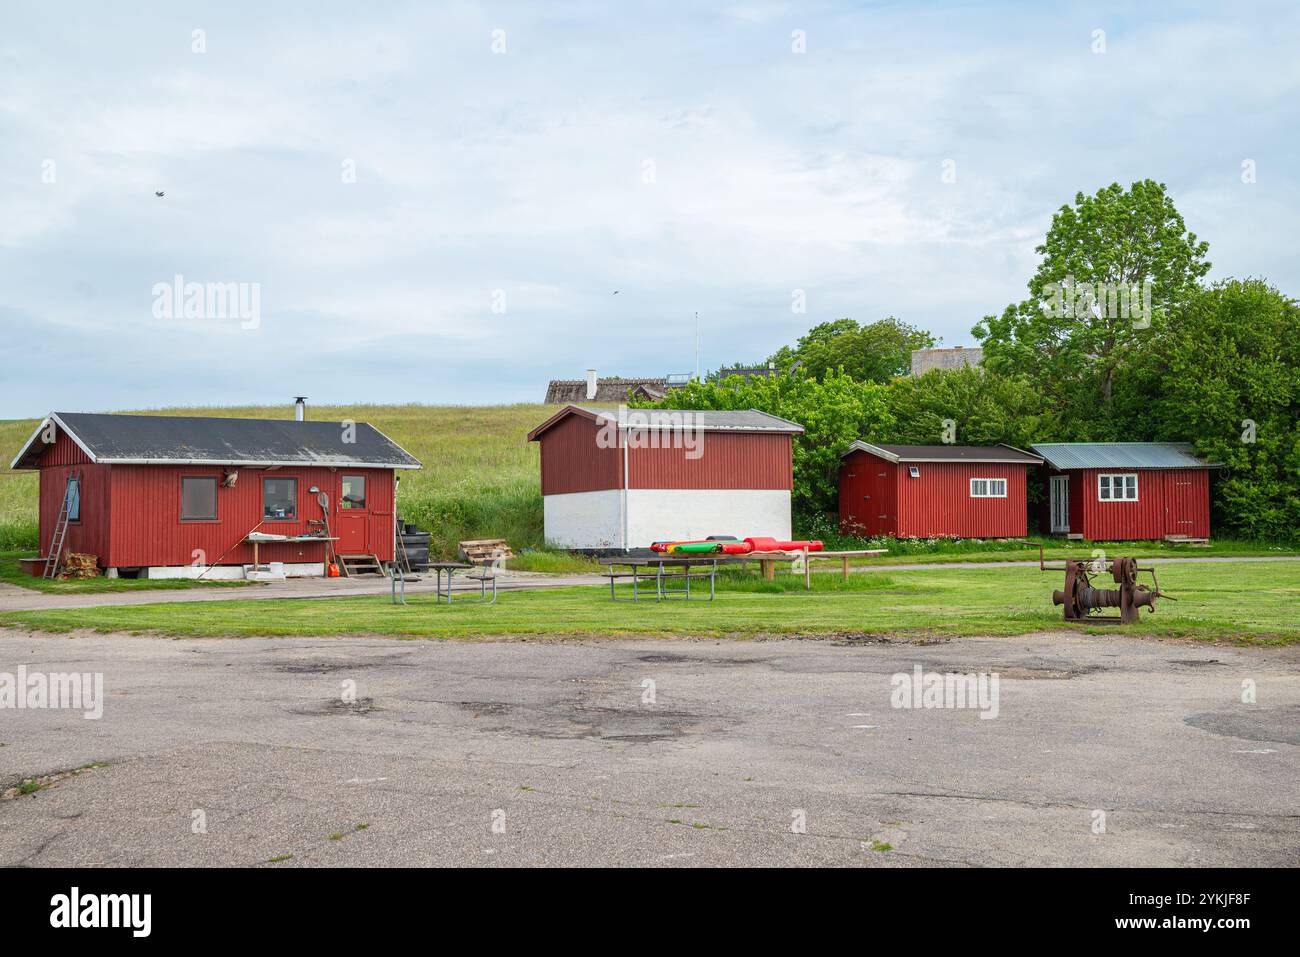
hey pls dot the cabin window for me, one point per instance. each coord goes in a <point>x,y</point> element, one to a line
<point>279,500</point>
<point>74,500</point>
<point>913,471</point>
<point>354,492</point>
<point>988,488</point>
<point>198,499</point>
<point>1117,488</point>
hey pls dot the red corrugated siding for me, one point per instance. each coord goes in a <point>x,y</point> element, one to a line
<point>64,452</point>
<point>90,536</point>
<point>939,501</point>
<point>725,460</point>
<point>147,530</point>
<point>1170,502</point>
<point>868,494</point>
<point>572,461</point>
<point>878,497</point>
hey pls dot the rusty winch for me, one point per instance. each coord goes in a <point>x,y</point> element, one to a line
<point>1083,600</point>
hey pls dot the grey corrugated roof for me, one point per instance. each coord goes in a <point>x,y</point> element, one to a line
<point>947,453</point>
<point>1120,455</point>
<point>182,439</point>
<point>710,420</point>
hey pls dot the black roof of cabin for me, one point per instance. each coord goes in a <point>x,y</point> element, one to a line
<point>190,440</point>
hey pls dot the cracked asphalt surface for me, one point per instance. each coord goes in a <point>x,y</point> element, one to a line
<point>553,744</point>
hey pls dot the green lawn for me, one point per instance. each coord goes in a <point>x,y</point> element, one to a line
<point>1245,602</point>
<point>12,573</point>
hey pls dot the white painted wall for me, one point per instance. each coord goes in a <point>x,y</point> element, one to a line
<point>583,519</point>
<point>592,519</point>
<point>656,514</point>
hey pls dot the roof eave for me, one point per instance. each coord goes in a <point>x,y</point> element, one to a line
<point>264,463</point>
<point>52,417</point>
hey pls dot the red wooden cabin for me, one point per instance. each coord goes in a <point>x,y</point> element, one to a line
<point>1123,491</point>
<point>173,494</point>
<point>919,491</point>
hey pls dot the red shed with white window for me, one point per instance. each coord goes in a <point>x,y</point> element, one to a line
<point>171,495</point>
<point>1124,491</point>
<point>919,491</point>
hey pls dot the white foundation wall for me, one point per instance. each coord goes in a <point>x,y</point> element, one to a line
<point>583,519</point>
<point>594,519</point>
<point>231,572</point>
<point>656,514</point>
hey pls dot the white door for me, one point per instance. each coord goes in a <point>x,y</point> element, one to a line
<point>1060,502</point>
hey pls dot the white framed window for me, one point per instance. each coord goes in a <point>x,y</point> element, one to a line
<point>1121,487</point>
<point>988,488</point>
<point>913,471</point>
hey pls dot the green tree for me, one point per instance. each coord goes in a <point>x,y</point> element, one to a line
<point>1226,376</point>
<point>834,412</point>
<point>871,352</point>
<point>984,408</point>
<point>1114,265</point>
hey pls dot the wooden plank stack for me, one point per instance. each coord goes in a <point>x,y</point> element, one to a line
<point>482,551</point>
<point>78,565</point>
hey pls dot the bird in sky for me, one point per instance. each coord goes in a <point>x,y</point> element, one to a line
<point>158,193</point>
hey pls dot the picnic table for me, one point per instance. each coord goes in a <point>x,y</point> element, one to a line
<point>488,574</point>
<point>767,560</point>
<point>671,574</point>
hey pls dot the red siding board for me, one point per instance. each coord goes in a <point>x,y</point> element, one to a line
<point>147,528</point>
<point>573,460</point>
<point>878,497</point>
<point>723,460</point>
<point>1170,502</point>
<point>868,495</point>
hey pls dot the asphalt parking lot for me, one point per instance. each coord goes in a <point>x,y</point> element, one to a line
<point>355,752</point>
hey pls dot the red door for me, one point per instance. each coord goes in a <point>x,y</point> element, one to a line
<point>1180,515</point>
<point>353,517</point>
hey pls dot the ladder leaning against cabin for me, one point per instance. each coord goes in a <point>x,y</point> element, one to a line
<point>61,526</point>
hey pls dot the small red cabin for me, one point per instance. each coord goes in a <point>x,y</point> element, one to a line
<point>170,495</point>
<point>919,491</point>
<point>1124,491</point>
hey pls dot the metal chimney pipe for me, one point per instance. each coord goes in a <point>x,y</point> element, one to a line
<point>591,384</point>
<point>299,407</point>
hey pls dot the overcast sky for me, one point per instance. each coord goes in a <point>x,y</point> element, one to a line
<point>512,165</point>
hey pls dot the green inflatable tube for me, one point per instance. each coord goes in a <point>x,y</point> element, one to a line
<point>697,548</point>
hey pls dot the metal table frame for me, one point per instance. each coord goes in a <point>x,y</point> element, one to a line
<point>663,578</point>
<point>451,568</point>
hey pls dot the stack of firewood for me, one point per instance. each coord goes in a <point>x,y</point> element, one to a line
<point>77,565</point>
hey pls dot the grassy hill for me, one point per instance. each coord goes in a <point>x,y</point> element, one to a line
<point>480,477</point>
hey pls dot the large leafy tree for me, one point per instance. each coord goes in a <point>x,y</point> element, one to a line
<point>1226,376</point>
<point>1114,265</point>
<point>983,408</point>
<point>868,352</point>
<point>835,411</point>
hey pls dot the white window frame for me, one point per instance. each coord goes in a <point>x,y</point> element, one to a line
<point>1110,478</point>
<point>988,493</point>
<point>913,471</point>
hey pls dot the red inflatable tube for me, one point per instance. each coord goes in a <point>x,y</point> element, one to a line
<point>772,545</point>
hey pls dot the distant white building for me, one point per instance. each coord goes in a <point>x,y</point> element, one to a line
<point>923,360</point>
